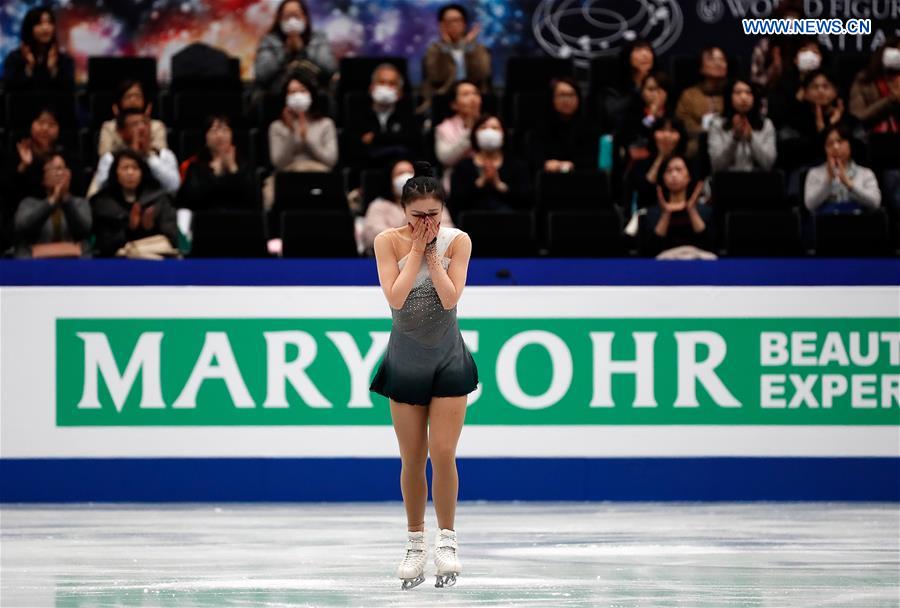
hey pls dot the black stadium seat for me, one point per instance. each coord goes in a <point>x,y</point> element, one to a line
<point>581,190</point>
<point>586,234</point>
<point>318,234</point>
<point>191,108</point>
<point>763,233</point>
<point>374,183</point>
<point>529,108</point>
<point>535,73</point>
<point>21,107</point>
<point>884,151</point>
<point>737,190</point>
<point>852,235</point>
<point>531,74</point>
<point>107,73</point>
<point>500,234</point>
<point>228,234</point>
<point>309,192</point>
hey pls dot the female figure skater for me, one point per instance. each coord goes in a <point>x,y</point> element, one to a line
<point>427,371</point>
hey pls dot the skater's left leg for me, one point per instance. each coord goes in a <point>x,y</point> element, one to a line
<point>445,422</point>
<point>411,426</point>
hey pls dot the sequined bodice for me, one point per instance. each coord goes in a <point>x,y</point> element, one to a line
<point>423,317</point>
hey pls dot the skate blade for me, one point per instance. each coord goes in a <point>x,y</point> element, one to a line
<point>445,580</point>
<point>409,583</point>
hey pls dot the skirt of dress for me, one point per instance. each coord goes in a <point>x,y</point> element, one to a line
<point>413,373</point>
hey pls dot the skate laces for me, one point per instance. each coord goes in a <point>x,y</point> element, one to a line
<point>446,543</point>
<point>415,547</point>
<point>412,557</point>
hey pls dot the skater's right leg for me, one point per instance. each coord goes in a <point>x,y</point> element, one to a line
<point>411,427</point>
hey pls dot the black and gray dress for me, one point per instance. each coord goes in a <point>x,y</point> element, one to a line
<point>426,356</point>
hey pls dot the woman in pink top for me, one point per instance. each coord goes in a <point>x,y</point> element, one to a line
<point>382,213</point>
<point>452,141</point>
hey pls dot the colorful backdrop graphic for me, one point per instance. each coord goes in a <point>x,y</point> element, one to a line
<point>581,30</point>
<point>354,27</point>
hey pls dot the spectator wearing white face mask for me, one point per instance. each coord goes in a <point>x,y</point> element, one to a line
<point>875,95</point>
<point>383,213</point>
<point>453,137</point>
<point>787,93</point>
<point>292,46</point>
<point>303,138</point>
<point>489,180</point>
<point>386,130</point>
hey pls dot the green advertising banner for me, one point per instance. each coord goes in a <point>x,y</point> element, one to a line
<point>540,371</point>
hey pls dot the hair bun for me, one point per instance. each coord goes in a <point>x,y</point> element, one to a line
<point>423,169</point>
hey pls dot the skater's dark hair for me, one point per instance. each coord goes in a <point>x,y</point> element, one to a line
<point>422,185</point>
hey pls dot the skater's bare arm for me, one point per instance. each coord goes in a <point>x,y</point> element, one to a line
<point>395,283</point>
<point>449,283</point>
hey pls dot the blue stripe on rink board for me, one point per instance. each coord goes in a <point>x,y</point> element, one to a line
<point>377,479</point>
<point>529,271</point>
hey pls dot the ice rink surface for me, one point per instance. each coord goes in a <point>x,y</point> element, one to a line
<point>715,555</point>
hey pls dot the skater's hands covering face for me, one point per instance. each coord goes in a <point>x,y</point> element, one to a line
<point>424,230</point>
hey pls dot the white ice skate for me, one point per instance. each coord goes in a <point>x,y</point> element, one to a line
<point>412,569</point>
<point>445,559</point>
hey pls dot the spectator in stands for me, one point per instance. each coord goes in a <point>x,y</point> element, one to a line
<point>216,179</point>
<point>637,60</point>
<point>387,130</point>
<point>490,180</point>
<point>788,91</point>
<point>131,205</point>
<point>39,64</point>
<point>456,56</point>
<point>453,137</point>
<point>303,138</point>
<point>678,218</point>
<point>566,140</point>
<point>635,133</point>
<point>771,55</point>
<point>667,140</point>
<point>292,46</point>
<point>839,184</point>
<point>740,139</point>
<point>699,104</point>
<point>875,95</point>
<point>804,129</point>
<point>134,129</point>
<point>57,223</point>
<point>24,175</point>
<point>384,213</point>
<point>23,171</point>
<point>130,95</point>
<point>891,181</point>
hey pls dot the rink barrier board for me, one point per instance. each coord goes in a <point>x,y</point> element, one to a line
<point>377,479</point>
<point>841,476</point>
<point>482,271</point>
